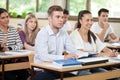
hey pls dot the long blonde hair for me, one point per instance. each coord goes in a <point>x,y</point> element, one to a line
<point>34,32</point>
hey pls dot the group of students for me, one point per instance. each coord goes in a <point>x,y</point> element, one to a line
<point>51,41</point>
<point>11,39</point>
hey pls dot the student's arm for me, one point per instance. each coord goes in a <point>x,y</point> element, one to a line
<point>28,47</point>
<point>108,53</point>
<point>18,43</point>
<point>103,32</point>
<point>114,38</point>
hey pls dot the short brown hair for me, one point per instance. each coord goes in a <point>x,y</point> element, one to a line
<point>54,8</point>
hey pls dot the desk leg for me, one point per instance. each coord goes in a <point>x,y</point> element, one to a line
<point>61,76</point>
<point>3,63</point>
<point>32,73</point>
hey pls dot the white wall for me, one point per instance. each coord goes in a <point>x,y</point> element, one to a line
<point>42,22</point>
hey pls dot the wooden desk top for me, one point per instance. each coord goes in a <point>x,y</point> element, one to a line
<point>18,65</point>
<point>44,65</point>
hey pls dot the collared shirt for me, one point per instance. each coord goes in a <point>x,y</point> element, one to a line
<point>50,46</point>
<point>13,37</point>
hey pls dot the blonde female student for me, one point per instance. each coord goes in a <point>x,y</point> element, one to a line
<point>86,41</point>
<point>28,34</point>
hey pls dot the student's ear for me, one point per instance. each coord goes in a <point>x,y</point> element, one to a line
<point>49,18</point>
<point>80,21</point>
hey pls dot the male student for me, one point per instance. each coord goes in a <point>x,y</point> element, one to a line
<point>103,28</point>
<point>67,26</point>
<point>51,42</point>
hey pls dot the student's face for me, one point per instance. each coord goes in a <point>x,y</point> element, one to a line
<point>31,23</point>
<point>65,18</point>
<point>4,19</point>
<point>86,21</point>
<point>103,17</point>
<point>56,19</point>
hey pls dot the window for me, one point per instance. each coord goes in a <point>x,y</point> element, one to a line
<point>3,3</point>
<point>20,8</point>
<point>112,5</point>
<point>74,6</point>
<point>44,5</point>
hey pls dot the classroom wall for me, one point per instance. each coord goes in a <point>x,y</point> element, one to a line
<point>42,22</point>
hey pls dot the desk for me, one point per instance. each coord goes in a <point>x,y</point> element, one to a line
<point>113,46</point>
<point>43,65</point>
<point>15,66</point>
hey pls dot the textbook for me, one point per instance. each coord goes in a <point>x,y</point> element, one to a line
<point>69,62</point>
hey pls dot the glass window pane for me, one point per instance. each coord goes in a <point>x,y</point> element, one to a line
<point>112,5</point>
<point>21,7</point>
<point>44,5</point>
<point>3,4</point>
<point>74,6</point>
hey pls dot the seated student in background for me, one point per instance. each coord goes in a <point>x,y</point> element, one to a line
<point>10,40</point>
<point>103,28</point>
<point>51,42</point>
<point>67,26</point>
<point>28,34</point>
<point>85,40</point>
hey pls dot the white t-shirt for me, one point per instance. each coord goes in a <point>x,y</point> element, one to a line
<point>67,27</point>
<point>97,29</point>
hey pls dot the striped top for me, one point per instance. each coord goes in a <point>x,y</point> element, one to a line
<point>13,37</point>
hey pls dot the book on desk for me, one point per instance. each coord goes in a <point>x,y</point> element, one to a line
<point>93,60</point>
<point>61,63</point>
<point>68,62</point>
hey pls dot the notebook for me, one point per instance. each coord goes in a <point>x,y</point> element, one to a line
<point>69,62</point>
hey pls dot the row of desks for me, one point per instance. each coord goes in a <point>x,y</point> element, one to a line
<point>28,64</point>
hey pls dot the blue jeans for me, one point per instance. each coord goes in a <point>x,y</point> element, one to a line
<point>94,70</point>
<point>50,75</point>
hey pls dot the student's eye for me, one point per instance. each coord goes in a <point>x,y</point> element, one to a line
<point>87,20</point>
<point>58,16</point>
<point>30,21</point>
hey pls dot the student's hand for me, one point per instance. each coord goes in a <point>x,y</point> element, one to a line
<point>106,25</point>
<point>109,54</point>
<point>5,49</point>
<point>70,56</point>
<point>4,41</point>
<point>114,53</point>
